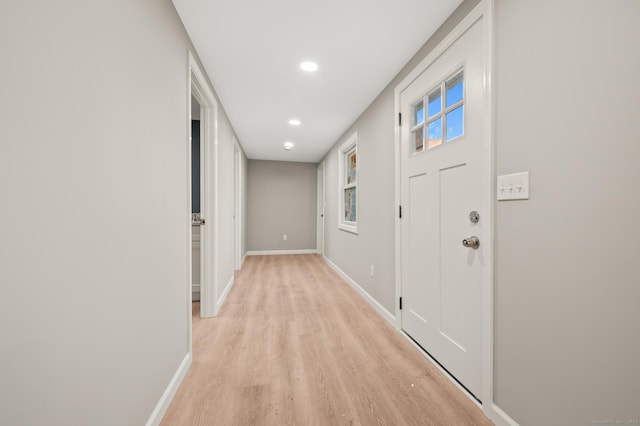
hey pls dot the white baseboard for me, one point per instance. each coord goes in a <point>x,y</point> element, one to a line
<point>373,302</point>
<point>272,252</point>
<point>224,294</point>
<point>500,418</point>
<point>243,259</point>
<point>170,392</point>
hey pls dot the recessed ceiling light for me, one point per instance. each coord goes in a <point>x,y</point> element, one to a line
<point>288,146</point>
<point>309,66</point>
<point>294,122</point>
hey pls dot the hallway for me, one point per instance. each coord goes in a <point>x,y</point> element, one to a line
<point>295,345</point>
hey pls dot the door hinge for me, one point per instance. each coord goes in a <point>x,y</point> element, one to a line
<point>400,303</point>
<point>399,119</point>
<point>400,212</point>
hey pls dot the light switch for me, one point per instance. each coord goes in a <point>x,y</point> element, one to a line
<point>513,187</point>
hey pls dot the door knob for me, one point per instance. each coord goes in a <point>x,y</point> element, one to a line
<point>472,242</point>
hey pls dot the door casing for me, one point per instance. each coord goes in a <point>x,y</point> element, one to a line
<point>320,176</point>
<point>483,11</point>
<point>237,202</point>
<point>199,89</point>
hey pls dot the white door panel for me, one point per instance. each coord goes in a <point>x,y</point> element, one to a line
<point>440,186</point>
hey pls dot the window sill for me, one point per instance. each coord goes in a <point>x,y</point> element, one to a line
<point>349,228</point>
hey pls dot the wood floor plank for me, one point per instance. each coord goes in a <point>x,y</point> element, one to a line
<point>295,345</point>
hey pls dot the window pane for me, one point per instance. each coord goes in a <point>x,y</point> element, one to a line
<point>435,103</point>
<point>454,87</point>
<point>418,140</point>
<point>435,133</point>
<point>351,167</point>
<point>418,115</point>
<point>350,205</point>
<point>455,123</point>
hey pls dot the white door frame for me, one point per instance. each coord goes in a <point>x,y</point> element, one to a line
<point>199,88</point>
<point>237,213</point>
<point>483,11</point>
<point>320,208</point>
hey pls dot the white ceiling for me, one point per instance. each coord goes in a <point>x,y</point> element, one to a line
<point>252,49</point>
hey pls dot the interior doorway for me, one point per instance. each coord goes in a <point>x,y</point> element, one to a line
<point>320,203</point>
<point>197,195</point>
<point>237,205</point>
<point>201,96</point>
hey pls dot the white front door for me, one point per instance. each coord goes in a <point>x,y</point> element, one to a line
<point>441,184</point>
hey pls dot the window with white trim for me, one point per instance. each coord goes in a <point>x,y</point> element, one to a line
<point>444,118</point>
<point>348,185</point>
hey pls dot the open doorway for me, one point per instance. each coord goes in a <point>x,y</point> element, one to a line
<point>320,204</point>
<point>196,197</point>
<point>202,184</point>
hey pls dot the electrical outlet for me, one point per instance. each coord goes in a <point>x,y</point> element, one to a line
<point>371,271</point>
<point>284,237</point>
<point>513,187</point>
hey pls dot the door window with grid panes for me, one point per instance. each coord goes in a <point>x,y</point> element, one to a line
<point>439,116</point>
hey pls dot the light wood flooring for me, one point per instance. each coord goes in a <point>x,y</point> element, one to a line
<point>295,345</point>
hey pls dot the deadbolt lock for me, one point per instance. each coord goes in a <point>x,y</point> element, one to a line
<point>474,216</point>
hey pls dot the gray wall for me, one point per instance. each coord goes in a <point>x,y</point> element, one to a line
<point>566,303</point>
<point>281,199</point>
<point>567,288</point>
<point>93,301</point>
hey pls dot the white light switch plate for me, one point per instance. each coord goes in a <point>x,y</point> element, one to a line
<point>513,187</point>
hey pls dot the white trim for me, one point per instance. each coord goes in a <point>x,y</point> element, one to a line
<point>188,208</point>
<point>244,257</point>
<point>484,10</point>
<point>224,294</point>
<point>199,88</point>
<point>500,418</point>
<point>163,404</point>
<point>237,208</point>
<point>320,208</point>
<point>277,252</point>
<point>489,180</point>
<point>348,145</point>
<point>384,313</point>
